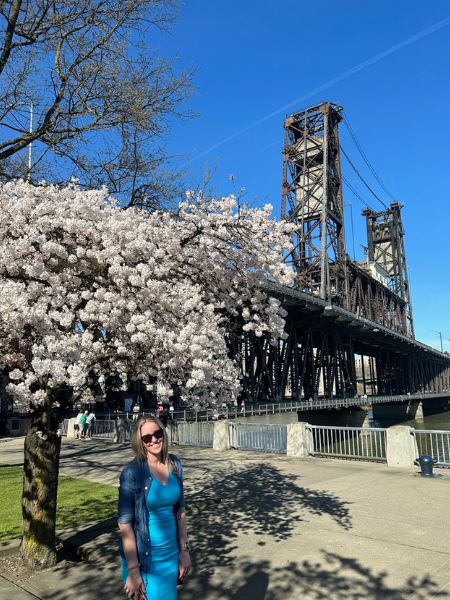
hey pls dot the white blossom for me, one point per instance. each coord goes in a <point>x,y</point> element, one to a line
<point>89,286</point>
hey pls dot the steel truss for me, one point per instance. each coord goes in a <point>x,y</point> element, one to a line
<point>378,288</point>
<point>312,200</point>
<point>312,361</point>
<point>386,248</point>
<point>374,301</point>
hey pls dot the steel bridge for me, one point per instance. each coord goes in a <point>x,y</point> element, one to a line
<point>349,325</point>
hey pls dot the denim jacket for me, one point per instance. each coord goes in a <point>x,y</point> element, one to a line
<point>135,482</point>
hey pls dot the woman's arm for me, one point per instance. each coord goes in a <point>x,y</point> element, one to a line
<point>134,584</point>
<point>184,563</point>
<point>182,527</point>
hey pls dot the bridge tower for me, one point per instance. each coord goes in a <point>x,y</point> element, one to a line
<point>386,248</point>
<point>312,200</point>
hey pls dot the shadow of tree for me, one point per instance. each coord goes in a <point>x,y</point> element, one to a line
<point>261,499</point>
<point>335,577</point>
<point>259,502</point>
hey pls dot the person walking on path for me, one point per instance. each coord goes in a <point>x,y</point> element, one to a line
<point>82,423</point>
<point>89,425</point>
<point>152,516</point>
<point>76,426</point>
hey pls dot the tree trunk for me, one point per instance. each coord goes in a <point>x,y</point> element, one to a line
<point>40,488</point>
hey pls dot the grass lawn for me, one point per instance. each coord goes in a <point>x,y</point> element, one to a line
<point>79,501</point>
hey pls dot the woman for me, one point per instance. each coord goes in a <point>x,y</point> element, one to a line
<point>152,516</point>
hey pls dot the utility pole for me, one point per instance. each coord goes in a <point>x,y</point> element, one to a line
<point>30,145</point>
<point>440,337</point>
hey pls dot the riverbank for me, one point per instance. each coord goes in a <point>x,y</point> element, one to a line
<point>284,529</point>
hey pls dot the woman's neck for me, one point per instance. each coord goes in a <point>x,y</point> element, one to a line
<point>154,461</point>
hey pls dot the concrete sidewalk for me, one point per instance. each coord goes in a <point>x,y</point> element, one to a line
<point>285,529</point>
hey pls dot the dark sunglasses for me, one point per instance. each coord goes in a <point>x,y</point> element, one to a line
<point>158,435</point>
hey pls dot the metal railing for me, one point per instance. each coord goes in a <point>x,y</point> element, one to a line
<point>64,425</point>
<point>191,434</point>
<point>359,443</point>
<point>258,437</point>
<point>103,428</point>
<point>434,443</point>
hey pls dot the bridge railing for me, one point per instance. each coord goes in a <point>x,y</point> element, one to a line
<point>191,434</point>
<point>258,437</point>
<point>434,443</point>
<point>359,443</point>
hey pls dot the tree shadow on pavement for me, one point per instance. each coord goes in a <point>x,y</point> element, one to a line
<point>334,578</point>
<point>262,500</point>
<point>261,505</point>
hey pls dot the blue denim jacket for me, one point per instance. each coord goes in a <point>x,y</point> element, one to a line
<point>135,482</point>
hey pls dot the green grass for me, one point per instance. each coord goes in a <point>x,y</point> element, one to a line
<point>79,501</point>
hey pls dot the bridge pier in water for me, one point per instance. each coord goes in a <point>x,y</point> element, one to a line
<point>410,409</point>
<point>354,416</point>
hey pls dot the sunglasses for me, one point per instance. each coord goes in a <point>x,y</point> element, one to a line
<point>158,435</point>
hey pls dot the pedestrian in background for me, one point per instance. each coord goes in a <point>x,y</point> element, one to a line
<point>76,426</point>
<point>89,425</point>
<point>82,423</point>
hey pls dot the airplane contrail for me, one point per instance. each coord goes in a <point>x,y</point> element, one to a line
<point>327,85</point>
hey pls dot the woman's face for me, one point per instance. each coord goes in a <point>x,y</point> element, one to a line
<point>154,444</point>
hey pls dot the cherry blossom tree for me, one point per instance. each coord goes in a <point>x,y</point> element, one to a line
<point>87,289</point>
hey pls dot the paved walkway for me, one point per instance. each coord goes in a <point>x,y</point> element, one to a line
<point>285,529</point>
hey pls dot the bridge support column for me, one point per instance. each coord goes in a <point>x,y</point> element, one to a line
<point>400,451</point>
<point>297,440</point>
<point>221,439</point>
<point>338,417</point>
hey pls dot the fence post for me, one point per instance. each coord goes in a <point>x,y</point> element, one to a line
<point>70,429</point>
<point>221,439</point>
<point>400,450</point>
<point>297,440</point>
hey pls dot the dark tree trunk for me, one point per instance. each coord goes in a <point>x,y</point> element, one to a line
<point>40,488</point>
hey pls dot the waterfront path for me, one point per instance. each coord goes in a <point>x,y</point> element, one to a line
<point>285,529</point>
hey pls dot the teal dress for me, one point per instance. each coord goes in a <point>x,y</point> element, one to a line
<point>161,580</point>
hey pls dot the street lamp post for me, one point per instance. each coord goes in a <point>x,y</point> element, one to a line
<point>440,337</point>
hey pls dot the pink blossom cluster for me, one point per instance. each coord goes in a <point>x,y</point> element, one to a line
<point>92,287</point>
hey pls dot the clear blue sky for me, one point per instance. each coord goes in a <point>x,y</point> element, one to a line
<point>254,58</point>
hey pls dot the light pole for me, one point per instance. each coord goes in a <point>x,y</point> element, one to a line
<point>30,145</point>
<point>440,336</point>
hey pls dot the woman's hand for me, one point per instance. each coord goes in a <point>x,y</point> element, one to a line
<point>134,586</point>
<point>184,563</point>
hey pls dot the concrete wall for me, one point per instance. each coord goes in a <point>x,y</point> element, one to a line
<point>400,450</point>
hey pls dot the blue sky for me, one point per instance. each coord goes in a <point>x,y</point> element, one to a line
<point>254,58</point>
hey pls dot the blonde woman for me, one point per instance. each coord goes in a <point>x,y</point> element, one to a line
<point>152,516</point>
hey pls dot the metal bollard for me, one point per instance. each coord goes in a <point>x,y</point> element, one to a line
<point>426,466</point>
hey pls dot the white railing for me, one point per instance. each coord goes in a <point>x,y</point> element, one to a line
<point>191,434</point>
<point>361,443</point>
<point>434,443</point>
<point>259,437</point>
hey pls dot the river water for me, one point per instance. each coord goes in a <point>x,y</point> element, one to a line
<point>439,421</point>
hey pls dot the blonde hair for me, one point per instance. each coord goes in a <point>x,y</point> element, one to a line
<point>138,445</point>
